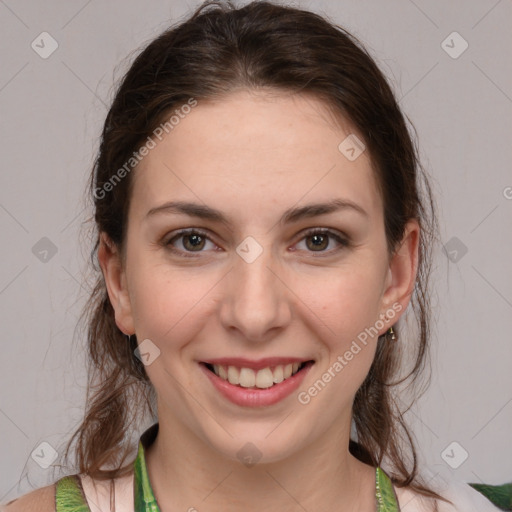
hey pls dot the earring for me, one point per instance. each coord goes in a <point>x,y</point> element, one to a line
<point>392,334</point>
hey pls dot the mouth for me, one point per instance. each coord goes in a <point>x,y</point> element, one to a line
<point>262,375</point>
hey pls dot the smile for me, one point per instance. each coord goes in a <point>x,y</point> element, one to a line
<point>261,379</point>
<point>250,383</point>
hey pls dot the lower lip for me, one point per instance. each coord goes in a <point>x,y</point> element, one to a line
<point>247,397</point>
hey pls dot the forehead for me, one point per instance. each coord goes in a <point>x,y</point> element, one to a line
<point>255,151</point>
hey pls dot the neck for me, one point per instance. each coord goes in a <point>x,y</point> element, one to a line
<point>186,473</point>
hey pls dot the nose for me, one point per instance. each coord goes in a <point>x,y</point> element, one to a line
<point>256,302</point>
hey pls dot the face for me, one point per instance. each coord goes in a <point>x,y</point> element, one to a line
<point>258,281</point>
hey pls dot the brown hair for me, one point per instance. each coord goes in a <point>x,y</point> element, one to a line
<point>217,50</point>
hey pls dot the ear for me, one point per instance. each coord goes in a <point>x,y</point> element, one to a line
<point>115,280</point>
<point>402,271</point>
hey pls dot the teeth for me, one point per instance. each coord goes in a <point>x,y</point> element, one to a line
<point>278,375</point>
<point>221,372</point>
<point>264,378</point>
<point>233,375</point>
<point>248,378</point>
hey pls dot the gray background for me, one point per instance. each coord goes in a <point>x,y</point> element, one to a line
<point>52,110</point>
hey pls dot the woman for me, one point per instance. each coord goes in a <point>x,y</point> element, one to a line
<point>263,225</point>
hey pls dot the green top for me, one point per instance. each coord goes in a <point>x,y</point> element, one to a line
<point>69,495</point>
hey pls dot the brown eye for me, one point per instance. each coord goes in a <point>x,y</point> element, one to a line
<point>195,242</point>
<point>192,241</point>
<point>318,240</point>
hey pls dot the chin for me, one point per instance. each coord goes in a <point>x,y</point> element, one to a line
<point>256,446</point>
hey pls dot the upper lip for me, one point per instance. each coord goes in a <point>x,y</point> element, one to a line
<point>241,362</point>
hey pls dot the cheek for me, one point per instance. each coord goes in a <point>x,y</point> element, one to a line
<point>345,300</point>
<point>349,309</point>
<point>166,303</point>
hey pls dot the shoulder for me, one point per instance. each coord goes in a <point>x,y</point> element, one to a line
<point>96,493</point>
<point>463,498</point>
<point>40,500</point>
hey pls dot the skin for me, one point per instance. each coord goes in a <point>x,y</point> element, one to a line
<point>253,155</point>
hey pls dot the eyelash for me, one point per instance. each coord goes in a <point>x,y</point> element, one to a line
<point>344,243</point>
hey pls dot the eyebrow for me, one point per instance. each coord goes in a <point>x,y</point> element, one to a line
<point>289,216</point>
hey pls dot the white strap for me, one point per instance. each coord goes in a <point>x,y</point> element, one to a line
<point>99,498</point>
